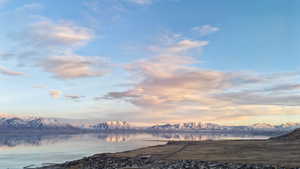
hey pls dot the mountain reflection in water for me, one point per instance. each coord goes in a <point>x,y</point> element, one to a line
<point>37,140</point>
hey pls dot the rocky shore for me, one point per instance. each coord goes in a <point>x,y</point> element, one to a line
<point>105,161</point>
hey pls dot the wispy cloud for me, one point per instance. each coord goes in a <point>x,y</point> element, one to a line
<point>55,94</point>
<point>142,2</point>
<point>52,46</point>
<point>48,34</point>
<point>248,98</point>
<point>285,87</point>
<point>206,29</point>
<point>39,86</point>
<point>74,97</point>
<point>8,72</point>
<point>72,66</point>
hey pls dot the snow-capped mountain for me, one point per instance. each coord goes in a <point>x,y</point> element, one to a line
<point>24,122</point>
<point>21,122</point>
<point>290,126</point>
<point>284,126</point>
<point>112,125</point>
<point>187,126</point>
<point>262,126</point>
<point>211,126</point>
<point>30,123</point>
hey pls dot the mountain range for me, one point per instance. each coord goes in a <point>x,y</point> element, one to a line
<point>9,122</point>
<point>21,122</point>
<point>211,126</point>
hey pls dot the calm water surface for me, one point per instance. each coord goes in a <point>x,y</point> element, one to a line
<point>19,151</point>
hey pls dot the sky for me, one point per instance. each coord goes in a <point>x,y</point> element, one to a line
<point>151,61</point>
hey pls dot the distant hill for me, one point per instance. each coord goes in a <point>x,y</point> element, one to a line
<point>294,135</point>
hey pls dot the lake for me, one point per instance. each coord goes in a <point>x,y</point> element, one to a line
<point>17,152</point>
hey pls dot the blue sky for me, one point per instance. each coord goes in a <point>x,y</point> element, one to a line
<point>150,61</point>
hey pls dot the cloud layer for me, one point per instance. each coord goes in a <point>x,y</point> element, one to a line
<point>52,46</point>
<point>171,87</point>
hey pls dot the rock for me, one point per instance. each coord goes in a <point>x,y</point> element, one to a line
<point>145,162</point>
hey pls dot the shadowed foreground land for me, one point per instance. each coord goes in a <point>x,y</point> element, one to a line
<point>283,151</point>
